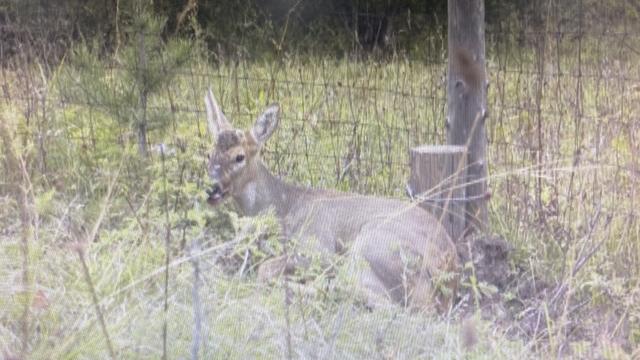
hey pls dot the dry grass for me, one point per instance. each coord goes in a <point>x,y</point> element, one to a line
<point>567,209</point>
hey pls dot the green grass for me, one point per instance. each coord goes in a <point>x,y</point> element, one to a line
<point>346,125</point>
<point>241,318</point>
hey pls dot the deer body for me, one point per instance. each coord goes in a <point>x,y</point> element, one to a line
<point>399,248</point>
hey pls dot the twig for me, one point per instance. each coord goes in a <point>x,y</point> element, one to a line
<point>17,166</point>
<point>195,293</point>
<point>167,249</point>
<point>288,294</point>
<point>244,263</point>
<point>583,260</point>
<point>79,247</point>
<point>561,289</point>
<point>64,217</point>
<point>94,298</point>
<point>336,331</point>
<point>134,212</point>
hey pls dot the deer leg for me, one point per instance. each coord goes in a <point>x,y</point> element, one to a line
<point>373,290</point>
<point>434,285</point>
<point>272,268</point>
<point>280,265</point>
<point>418,294</point>
<point>421,294</point>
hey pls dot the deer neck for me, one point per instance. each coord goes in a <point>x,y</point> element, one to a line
<point>262,191</point>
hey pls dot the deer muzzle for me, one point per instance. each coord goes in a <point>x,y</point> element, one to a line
<point>216,195</point>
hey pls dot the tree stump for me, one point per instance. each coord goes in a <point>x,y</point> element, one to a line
<point>437,182</point>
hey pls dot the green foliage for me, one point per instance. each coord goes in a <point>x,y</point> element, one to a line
<point>127,85</point>
<point>45,203</point>
<point>147,59</point>
<point>346,125</point>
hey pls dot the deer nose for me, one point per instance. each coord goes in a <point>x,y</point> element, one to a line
<point>215,195</point>
<point>215,190</point>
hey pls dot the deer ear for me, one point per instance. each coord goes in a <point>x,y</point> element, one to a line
<point>216,121</point>
<point>266,123</point>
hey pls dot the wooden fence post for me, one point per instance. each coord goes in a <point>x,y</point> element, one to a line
<point>467,102</point>
<point>437,181</point>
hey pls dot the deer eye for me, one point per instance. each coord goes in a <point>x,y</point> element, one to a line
<point>239,158</point>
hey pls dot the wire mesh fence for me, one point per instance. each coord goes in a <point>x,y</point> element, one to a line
<point>563,115</point>
<point>563,136</point>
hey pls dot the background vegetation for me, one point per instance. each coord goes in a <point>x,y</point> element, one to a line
<point>107,248</point>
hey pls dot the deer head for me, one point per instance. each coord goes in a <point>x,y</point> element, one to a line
<point>236,152</point>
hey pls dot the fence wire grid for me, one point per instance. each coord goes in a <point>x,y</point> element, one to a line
<point>563,119</point>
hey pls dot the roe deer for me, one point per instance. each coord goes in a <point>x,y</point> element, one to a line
<point>406,253</point>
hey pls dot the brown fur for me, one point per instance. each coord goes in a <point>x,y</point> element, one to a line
<point>227,140</point>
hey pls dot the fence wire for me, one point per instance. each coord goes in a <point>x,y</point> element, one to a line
<point>563,125</point>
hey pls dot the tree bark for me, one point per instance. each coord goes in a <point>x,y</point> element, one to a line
<point>437,181</point>
<point>467,102</point>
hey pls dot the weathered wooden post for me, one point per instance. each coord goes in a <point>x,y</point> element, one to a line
<point>467,102</point>
<point>451,180</point>
<point>437,182</point>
